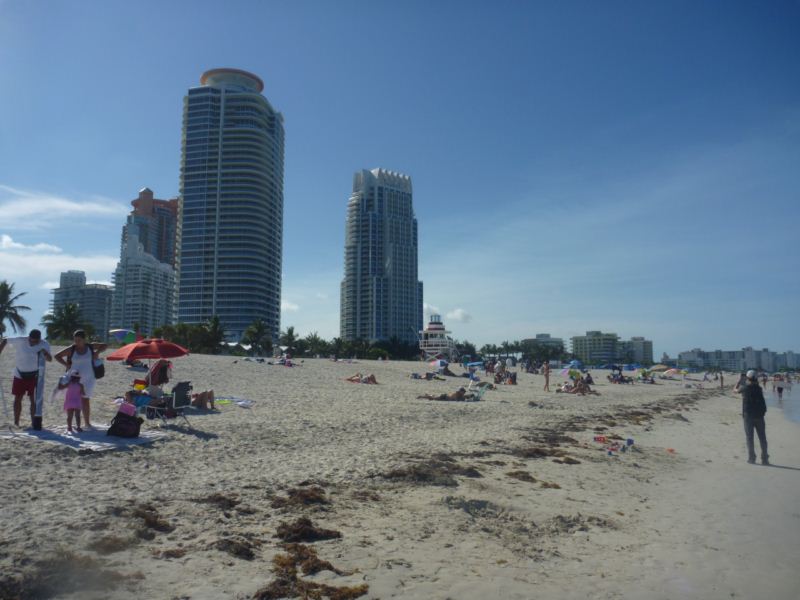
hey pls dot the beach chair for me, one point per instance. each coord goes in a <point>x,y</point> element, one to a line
<point>175,404</point>
<point>477,393</point>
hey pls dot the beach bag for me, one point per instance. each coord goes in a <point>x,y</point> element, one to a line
<point>99,368</point>
<point>126,426</point>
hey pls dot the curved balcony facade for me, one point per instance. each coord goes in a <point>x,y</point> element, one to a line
<point>231,210</point>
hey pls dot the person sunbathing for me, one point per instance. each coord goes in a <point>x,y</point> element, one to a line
<point>359,378</point>
<point>204,400</point>
<point>458,396</point>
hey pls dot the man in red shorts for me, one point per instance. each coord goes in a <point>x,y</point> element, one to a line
<point>26,369</point>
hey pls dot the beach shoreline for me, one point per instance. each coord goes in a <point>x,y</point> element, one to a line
<point>432,499</point>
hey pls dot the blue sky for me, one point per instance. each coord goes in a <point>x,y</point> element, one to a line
<point>623,166</point>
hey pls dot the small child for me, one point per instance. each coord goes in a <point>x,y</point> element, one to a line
<point>72,402</point>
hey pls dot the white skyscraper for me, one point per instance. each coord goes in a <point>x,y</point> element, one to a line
<point>381,295</point>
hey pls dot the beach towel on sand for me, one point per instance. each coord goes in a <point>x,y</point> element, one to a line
<point>94,440</point>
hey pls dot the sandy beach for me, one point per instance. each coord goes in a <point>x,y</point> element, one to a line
<point>510,497</point>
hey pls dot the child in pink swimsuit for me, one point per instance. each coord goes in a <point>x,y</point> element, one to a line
<point>72,402</point>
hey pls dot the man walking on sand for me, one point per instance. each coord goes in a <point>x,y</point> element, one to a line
<point>546,372</point>
<point>753,410</point>
<point>26,369</point>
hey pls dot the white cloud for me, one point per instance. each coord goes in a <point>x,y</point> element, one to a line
<point>34,210</point>
<point>48,266</point>
<point>49,285</point>
<point>7,243</point>
<point>287,306</point>
<point>459,315</point>
<point>430,309</point>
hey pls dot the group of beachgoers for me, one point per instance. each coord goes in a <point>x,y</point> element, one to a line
<point>78,382</point>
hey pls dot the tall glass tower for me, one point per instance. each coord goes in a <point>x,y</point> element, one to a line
<point>381,296</point>
<point>231,204</point>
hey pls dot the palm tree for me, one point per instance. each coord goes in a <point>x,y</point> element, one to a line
<point>215,334</point>
<point>63,322</point>
<point>316,345</point>
<point>289,339</point>
<point>9,309</point>
<point>257,335</point>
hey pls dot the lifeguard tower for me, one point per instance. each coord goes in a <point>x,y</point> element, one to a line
<point>435,341</point>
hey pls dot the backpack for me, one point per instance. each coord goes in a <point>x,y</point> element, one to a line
<point>98,366</point>
<point>126,426</point>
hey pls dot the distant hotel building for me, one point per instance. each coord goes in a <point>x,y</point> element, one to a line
<point>545,340</point>
<point>599,348</point>
<point>231,204</point>
<point>381,296</point>
<point>144,280</point>
<point>92,299</point>
<point>739,360</point>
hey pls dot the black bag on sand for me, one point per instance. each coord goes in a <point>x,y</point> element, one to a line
<point>126,426</point>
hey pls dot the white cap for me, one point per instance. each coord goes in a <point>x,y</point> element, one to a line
<point>751,374</point>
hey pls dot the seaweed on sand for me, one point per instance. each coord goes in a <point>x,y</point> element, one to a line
<point>438,470</point>
<point>287,583</point>
<point>567,460</point>
<point>304,530</point>
<point>221,501</point>
<point>151,518</point>
<point>304,557</point>
<point>522,476</point>
<point>111,543</point>
<point>308,496</point>
<point>537,452</point>
<point>238,548</point>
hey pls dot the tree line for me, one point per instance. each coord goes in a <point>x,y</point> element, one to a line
<point>209,337</point>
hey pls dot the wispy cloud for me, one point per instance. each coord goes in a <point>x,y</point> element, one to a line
<point>430,309</point>
<point>460,315</point>
<point>34,210</point>
<point>287,306</point>
<point>8,243</point>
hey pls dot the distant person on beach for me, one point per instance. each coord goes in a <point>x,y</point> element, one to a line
<point>777,386</point>
<point>458,396</point>
<point>80,357</point>
<point>753,410</point>
<point>721,381</point>
<point>546,373</point>
<point>26,369</point>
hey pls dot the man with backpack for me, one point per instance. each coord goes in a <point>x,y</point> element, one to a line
<point>753,410</point>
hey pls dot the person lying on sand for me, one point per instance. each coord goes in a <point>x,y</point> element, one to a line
<point>460,395</point>
<point>359,378</point>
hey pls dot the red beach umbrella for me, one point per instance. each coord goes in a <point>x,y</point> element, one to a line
<point>148,349</point>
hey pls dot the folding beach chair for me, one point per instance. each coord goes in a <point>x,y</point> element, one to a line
<point>477,393</point>
<point>176,403</point>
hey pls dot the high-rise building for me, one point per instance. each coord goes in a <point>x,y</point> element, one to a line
<point>231,204</point>
<point>92,299</point>
<point>636,350</point>
<point>143,289</point>
<point>546,340</point>
<point>144,280</point>
<point>381,296</point>
<point>596,348</point>
<point>155,222</point>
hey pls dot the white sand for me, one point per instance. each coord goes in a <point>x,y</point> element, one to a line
<point>699,523</point>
